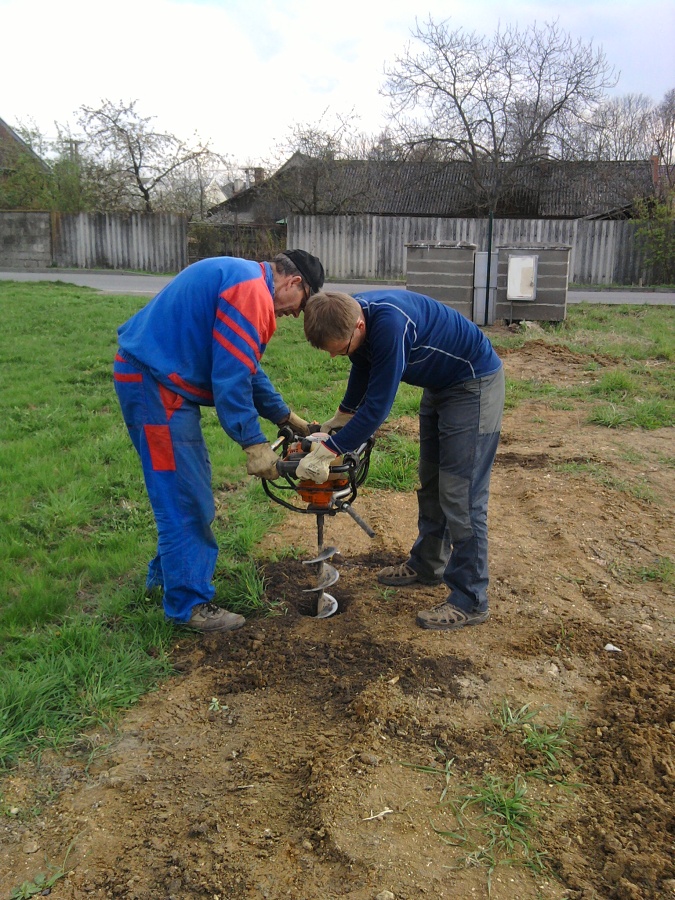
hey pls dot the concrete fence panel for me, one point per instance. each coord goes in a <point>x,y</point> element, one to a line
<point>602,252</point>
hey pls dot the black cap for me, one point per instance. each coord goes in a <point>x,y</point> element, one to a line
<point>309,267</point>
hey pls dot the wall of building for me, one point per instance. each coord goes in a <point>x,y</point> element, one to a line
<point>25,240</point>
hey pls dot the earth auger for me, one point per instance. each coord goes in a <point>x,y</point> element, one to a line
<point>321,500</point>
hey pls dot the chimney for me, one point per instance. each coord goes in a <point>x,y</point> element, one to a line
<point>258,175</point>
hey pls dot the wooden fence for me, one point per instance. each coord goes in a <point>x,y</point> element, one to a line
<point>603,252</point>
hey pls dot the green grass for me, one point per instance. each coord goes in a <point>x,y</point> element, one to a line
<point>394,463</point>
<point>496,824</point>
<point>661,571</point>
<point>634,348</point>
<point>549,743</point>
<point>58,680</point>
<point>495,821</point>
<point>602,474</point>
<point>634,332</point>
<point>513,719</point>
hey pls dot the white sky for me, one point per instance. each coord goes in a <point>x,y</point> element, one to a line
<point>239,72</point>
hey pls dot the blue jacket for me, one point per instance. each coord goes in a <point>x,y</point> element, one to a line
<point>410,338</point>
<point>203,335</point>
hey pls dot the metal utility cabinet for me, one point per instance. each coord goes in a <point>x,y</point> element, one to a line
<point>527,281</point>
<point>442,271</point>
<point>532,282</point>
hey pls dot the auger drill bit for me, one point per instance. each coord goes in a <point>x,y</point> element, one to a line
<point>326,604</point>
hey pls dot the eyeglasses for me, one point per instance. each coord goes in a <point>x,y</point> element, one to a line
<point>344,352</point>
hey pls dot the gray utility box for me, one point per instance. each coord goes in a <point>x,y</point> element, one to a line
<point>532,282</point>
<point>443,271</point>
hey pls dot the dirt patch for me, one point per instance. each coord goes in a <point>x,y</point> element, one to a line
<point>291,759</point>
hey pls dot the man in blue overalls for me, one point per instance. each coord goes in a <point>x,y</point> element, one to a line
<point>394,336</point>
<point>199,343</point>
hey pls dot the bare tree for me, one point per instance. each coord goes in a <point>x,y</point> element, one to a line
<point>312,181</point>
<point>188,189</point>
<point>134,162</point>
<point>618,128</point>
<point>663,136</point>
<point>498,104</point>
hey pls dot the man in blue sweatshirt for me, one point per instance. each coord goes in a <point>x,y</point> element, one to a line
<point>394,336</point>
<point>199,343</point>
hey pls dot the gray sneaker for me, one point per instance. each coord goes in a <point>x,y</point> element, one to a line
<point>209,618</point>
<point>447,617</point>
<point>402,575</point>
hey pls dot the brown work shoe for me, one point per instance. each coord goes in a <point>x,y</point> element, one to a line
<point>446,617</point>
<point>210,619</point>
<point>402,575</point>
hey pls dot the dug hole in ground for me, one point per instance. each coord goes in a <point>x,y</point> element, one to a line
<point>304,758</point>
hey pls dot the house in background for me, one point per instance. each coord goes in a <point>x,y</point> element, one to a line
<point>550,189</point>
<point>223,186</point>
<point>12,147</point>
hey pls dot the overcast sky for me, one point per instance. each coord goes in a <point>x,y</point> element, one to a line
<point>239,72</point>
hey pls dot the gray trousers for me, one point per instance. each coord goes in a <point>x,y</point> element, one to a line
<point>459,433</point>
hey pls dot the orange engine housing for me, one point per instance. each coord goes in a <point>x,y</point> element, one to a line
<point>320,494</point>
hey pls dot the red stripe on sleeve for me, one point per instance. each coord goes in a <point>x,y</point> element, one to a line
<point>160,447</point>
<point>232,325</point>
<point>253,300</point>
<point>229,346</point>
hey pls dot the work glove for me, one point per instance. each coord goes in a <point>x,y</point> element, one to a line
<point>338,421</point>
<point>262,461</point>
<point>316,465</point>
<point>298,425</point>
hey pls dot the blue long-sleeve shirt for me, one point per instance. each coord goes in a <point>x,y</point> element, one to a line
<point>203,336</point>
<point>410,338</point>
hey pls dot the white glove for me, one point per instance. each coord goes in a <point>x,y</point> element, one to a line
<point>316,465</point>
<point>299,426</point>
<point>262,461</point>
<point>338,421</point>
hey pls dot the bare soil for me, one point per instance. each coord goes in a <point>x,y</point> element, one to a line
<point>303,780</point>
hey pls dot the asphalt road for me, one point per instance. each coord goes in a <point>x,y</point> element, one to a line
<point>149,285</point>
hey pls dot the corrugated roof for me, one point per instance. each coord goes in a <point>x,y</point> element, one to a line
<point>551,189</point>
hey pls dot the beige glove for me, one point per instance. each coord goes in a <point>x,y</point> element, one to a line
<point>298,425</point>
<point>262,461</point>
<point>338,421</point>
<point>316,465</point>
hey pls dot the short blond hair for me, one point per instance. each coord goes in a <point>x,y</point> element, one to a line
<point>330,316</point>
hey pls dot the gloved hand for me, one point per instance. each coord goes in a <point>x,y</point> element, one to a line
<point>316,465</point>
<point>338,421</point>
<point>262,461</point>
<point>298,425</point>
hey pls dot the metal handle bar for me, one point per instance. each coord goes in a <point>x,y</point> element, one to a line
<point>290,466</point>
